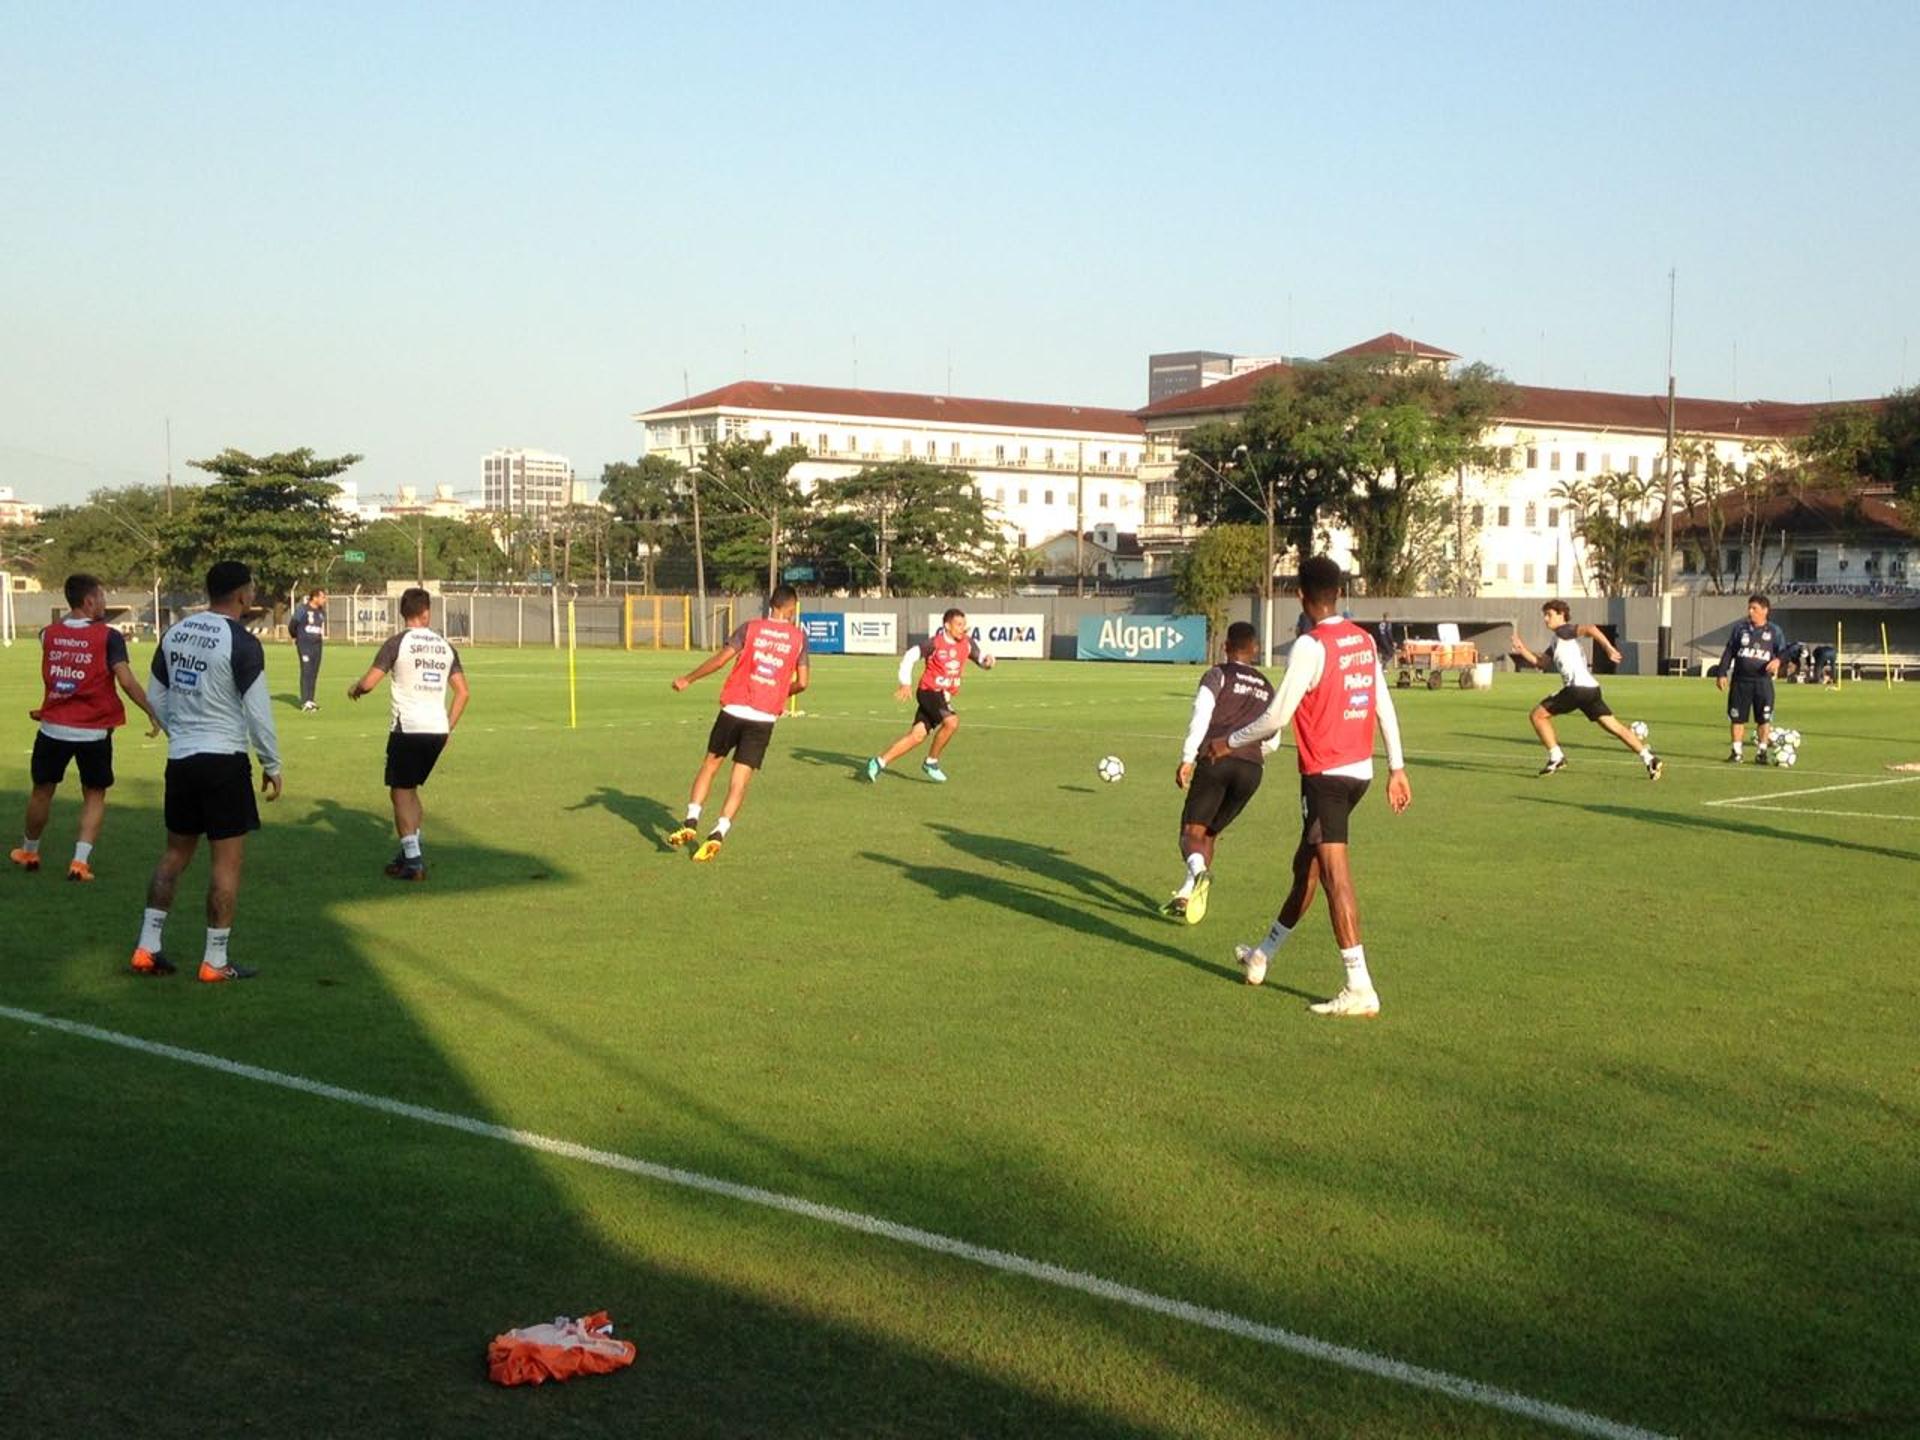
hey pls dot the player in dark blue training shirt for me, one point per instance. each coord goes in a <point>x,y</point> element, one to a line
<point>1754,652</point>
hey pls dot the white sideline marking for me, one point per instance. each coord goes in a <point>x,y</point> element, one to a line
<point>1346,1357</point>
<point>1765,800</point>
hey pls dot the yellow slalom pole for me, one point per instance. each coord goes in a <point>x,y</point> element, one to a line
<point>1886,655</point>
<point>573,705</point>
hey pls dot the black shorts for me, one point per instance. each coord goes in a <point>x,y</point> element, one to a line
<point>1584,698</point>
<point>93,757</point>
<point>411,758</point>
<point>1750,695</point>
<point>933,707</point>
<point>746,740</point>
<point>211,795</point>
<point>1325,803</point>
<point>1219,791</point>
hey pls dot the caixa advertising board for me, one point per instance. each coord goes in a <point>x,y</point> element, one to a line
<point>1006,637</point>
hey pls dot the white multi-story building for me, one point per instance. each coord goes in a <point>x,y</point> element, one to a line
<point>525,482</point>
<point>1038,467</point>
<point>442,504</point>
<point>1518,521</point>
<point>16,512</point>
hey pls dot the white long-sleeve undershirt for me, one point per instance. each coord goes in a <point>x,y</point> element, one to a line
<point>1202,717</point>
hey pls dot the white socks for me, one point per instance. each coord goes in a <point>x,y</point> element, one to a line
<point>1196,867</point>
<point>82,851</point>
<point>1195,864</point>
<point>32,847</point>
<point>152,922</point>
<point>1554,752</point>
<point>1276,937</point>
<point>693,812</point>
<point>1355,959</point>
<point>216,956</point>
<point>410,845</point>
<point>1736,749</point>
<point>720,828</point>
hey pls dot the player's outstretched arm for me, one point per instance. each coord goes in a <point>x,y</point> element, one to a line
<point>706,667</point>
<point>1599,637</point>
<point>131,688</point>
<point>367,683</point>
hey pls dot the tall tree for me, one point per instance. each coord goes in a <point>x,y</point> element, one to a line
<point>650,498</point>
<point>118,534</point>
<point>908,526</point>
<point>749,504</point>
<point>1226,561</point>
<point>275,512</point>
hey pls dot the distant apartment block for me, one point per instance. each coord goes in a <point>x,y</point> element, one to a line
<point>1179,371</point>
<point>525,482</point>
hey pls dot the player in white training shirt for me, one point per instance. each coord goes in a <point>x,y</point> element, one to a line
<point>1578,689</point>
<point>424,669</point>
<point>208,689</point>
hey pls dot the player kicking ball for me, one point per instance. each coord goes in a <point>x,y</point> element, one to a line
<point>1578,689</point>
<point>1231,694</point>
<point>769,663</point>
<point>1335,696</point>
<point>947,651</point>
<point>423,669</point>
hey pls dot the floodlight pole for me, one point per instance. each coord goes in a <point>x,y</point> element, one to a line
<point>1664,647</point>
<point>1080,518</point>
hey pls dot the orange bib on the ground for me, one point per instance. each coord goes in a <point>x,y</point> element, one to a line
<point>558,1351</point>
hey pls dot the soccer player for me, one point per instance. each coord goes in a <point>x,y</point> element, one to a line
<point>1335,695</point>
<point>425,669</point>
<point>947,651</point>
<point>1578,689</point>
<point>769,664</point>
<point>307,628</point>
<point>1231,694</point>
<point>209,691</point>
<point>82,658</point>
<point>1747,667</point>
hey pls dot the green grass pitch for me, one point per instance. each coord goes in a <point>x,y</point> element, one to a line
<point>1637,1133</point>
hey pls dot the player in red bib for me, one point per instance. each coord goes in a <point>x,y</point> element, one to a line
<point>769,664</point>
<point>1335,694</point>
<point>946,653</point>
<point>82,658</point>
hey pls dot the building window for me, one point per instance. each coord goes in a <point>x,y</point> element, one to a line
<point>1579,461</point>
<point>999,494</point>
<point>1103,457</point>
<point>793,437</point>
<point>1046,497</point>
<point>999,454</point>
<point>1806,565</point>
<point>1553,574</point>
<point>1502,520</point>
<point>821,448</point>
<point>1049,454</point>
<point>1553,461</point>
<point>1553,517</point>
<point>1734,557</point>
<point>1506,457</point>
<point>1873,564</point>
<point>1533,457</point>
<point>933,448</point>
<point>1479,516</point>
<point>1533,515</point>
<point>953,450</point>
<point>1023,454</point>
<point>1659,466</point>
<point>1633,464</point>
<point>1023,497</point>
<point>1526,573</point>
<point>1103,500</point>
<point>1500,571</point>
<point>1606,463</point>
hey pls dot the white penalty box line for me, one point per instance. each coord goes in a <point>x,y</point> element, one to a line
<point>1365,1362</point>
<point>1768,800</point>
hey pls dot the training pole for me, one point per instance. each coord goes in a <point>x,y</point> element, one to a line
<point>573,703</point>
<point>1886,655</point>
<point>1839,652</point>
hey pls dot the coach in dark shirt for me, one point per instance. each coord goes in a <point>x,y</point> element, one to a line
<point>308,628</point>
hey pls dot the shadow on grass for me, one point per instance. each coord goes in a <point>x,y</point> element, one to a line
<point>653,820</point>
<point>406,1245</point>
<point>855,765</point>
<point>1682,820</point>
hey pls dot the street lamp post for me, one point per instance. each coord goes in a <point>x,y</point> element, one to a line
<point>1266,614</point>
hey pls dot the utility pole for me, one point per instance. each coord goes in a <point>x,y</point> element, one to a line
<point>1664,648</point>
<point>1080,517</point>
<point>169,465</point>
<point>886,554</point>
<point>553,582</point>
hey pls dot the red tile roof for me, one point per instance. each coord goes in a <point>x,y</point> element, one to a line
<point>1540,405</point>
<point>1393,343</point>
<point>1811,513</point>
<point>892,405</point>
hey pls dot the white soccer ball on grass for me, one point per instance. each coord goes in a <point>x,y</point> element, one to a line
<point>1112,769</point>
<point>1785,754</point>
<point>1639,728</point>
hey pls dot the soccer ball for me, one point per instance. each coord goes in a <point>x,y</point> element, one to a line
<point>1639,728</point>
<point>1785,754</point>
<point>1787,737</point>
<point>1112,769</point>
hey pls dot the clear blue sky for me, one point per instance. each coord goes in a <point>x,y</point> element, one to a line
<point>426,233</point>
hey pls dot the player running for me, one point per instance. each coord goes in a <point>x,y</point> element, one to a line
<point>771,665</point>
<point>1578,689</point>
<point>307,628</point>
<point>1231,694</point>
<point>1335,695</point>
<point>210,694</point>
<point>425,669</point>
<point>82,658</point>
<point>947,651</point>
<point>1751,660</point>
